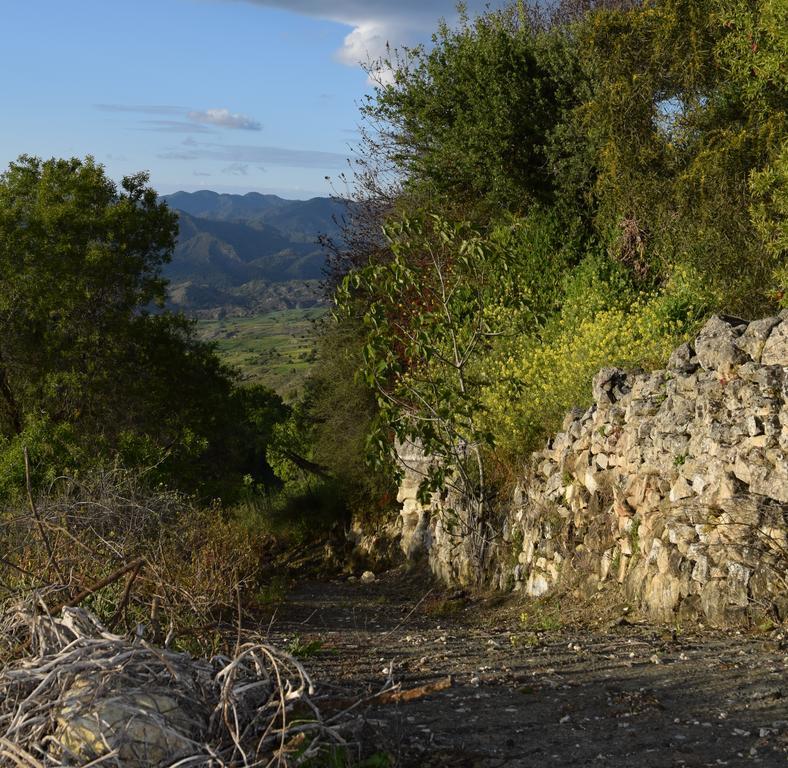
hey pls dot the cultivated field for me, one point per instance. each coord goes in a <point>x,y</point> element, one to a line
<point>275,349</point>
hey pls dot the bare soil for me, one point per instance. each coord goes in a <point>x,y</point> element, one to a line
<point>533,685</point>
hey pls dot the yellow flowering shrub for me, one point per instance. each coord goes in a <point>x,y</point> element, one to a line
<point>533,380</point>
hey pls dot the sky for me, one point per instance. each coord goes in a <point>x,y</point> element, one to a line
<point>229,95</point>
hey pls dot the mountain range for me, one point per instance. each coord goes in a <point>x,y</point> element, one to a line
<point>252,253</point>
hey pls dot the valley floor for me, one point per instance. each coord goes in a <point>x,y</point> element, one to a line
<point>593,693</point>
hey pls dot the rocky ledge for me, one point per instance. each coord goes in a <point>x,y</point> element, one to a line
<point>673,485</point>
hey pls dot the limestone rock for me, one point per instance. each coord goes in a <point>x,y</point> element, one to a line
<point>674,484</point>
<point>716,346</point>
<point>775,349</point>
<point>754,338</point>
<point>683,360</point>
<point>609,385</point>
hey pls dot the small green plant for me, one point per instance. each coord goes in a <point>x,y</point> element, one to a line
<point>634,536</point>
<point>542,618</point>
<point>616,562</point>
<point>518,538</point>
<point>529,640</point>
<point>303,649</point>
<point>274,592</point>
<point>679,460</point>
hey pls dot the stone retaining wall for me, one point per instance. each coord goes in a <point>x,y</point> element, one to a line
<point>673,485</point>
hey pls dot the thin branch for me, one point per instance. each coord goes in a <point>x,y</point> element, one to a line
<point>34,510</point>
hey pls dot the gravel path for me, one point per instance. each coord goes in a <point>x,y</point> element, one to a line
<point>527,692</point>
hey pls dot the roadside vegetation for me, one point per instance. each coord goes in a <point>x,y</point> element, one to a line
<point>559,189</point>
<point>542,192</point>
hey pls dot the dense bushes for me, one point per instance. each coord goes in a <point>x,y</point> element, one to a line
<point>576,191</point>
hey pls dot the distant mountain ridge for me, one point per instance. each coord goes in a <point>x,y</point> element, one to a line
<point>249,253</point>
<point>296,218</point>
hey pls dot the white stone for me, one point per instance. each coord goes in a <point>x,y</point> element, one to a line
<point>700,571</point>
<point>537,585</point>
<point>681,489</point>
<point>775,350</point>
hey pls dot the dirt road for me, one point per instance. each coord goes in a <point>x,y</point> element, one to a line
<point>532,688</point>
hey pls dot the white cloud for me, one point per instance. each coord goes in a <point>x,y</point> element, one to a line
<point>378,22</point>
<point>194,120</point>
<point>367,42</point>
<point>223,118</point>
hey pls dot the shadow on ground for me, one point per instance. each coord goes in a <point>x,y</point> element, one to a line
<point>616,694</point>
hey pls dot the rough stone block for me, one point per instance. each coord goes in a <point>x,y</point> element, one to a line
<point>716,346</point>
<point>754,337</point>
<point>775,349</point>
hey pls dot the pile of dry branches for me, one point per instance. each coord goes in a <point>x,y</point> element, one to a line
<point>79,695</point>
<point>164,576</point>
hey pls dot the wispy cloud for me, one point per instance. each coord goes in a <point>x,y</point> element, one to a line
<point>257,155</point>
<point>173,126</point>
<point>237,169</point>
<point>192,120</point>
<point>225,119</point>
<point>143,109</point>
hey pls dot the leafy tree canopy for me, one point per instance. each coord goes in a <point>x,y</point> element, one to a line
<point>89,367</point>
<point>573,189</point>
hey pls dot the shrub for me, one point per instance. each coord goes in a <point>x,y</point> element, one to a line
<point>535,378</point>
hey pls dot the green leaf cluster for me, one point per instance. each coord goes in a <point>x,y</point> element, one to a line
<point>574,190</point>
<point>92,370</point>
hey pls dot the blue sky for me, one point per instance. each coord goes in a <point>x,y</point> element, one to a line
<point>231,95</point>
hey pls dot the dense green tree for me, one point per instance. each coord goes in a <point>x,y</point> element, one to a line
<point>90,368</point>
<point>79,260</point>
<point>688,107</point>
<point>623,167</point>
<point>469,119</point>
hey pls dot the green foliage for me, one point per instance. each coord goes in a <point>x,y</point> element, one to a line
<point>624,170</point>
<point>534,378</point>
<point>688,102</point>
<point>470,117</point>
<point>303,649</point>
<point>89,373</point>
<point>319,451</point>
<point>428,326</point>
<point>78,260</point>
<point>542,617</point>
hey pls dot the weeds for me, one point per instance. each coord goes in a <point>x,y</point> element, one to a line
<point>303,649</point>
<point>542,618</point>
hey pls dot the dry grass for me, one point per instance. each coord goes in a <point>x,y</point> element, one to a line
<point>180,570</point>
